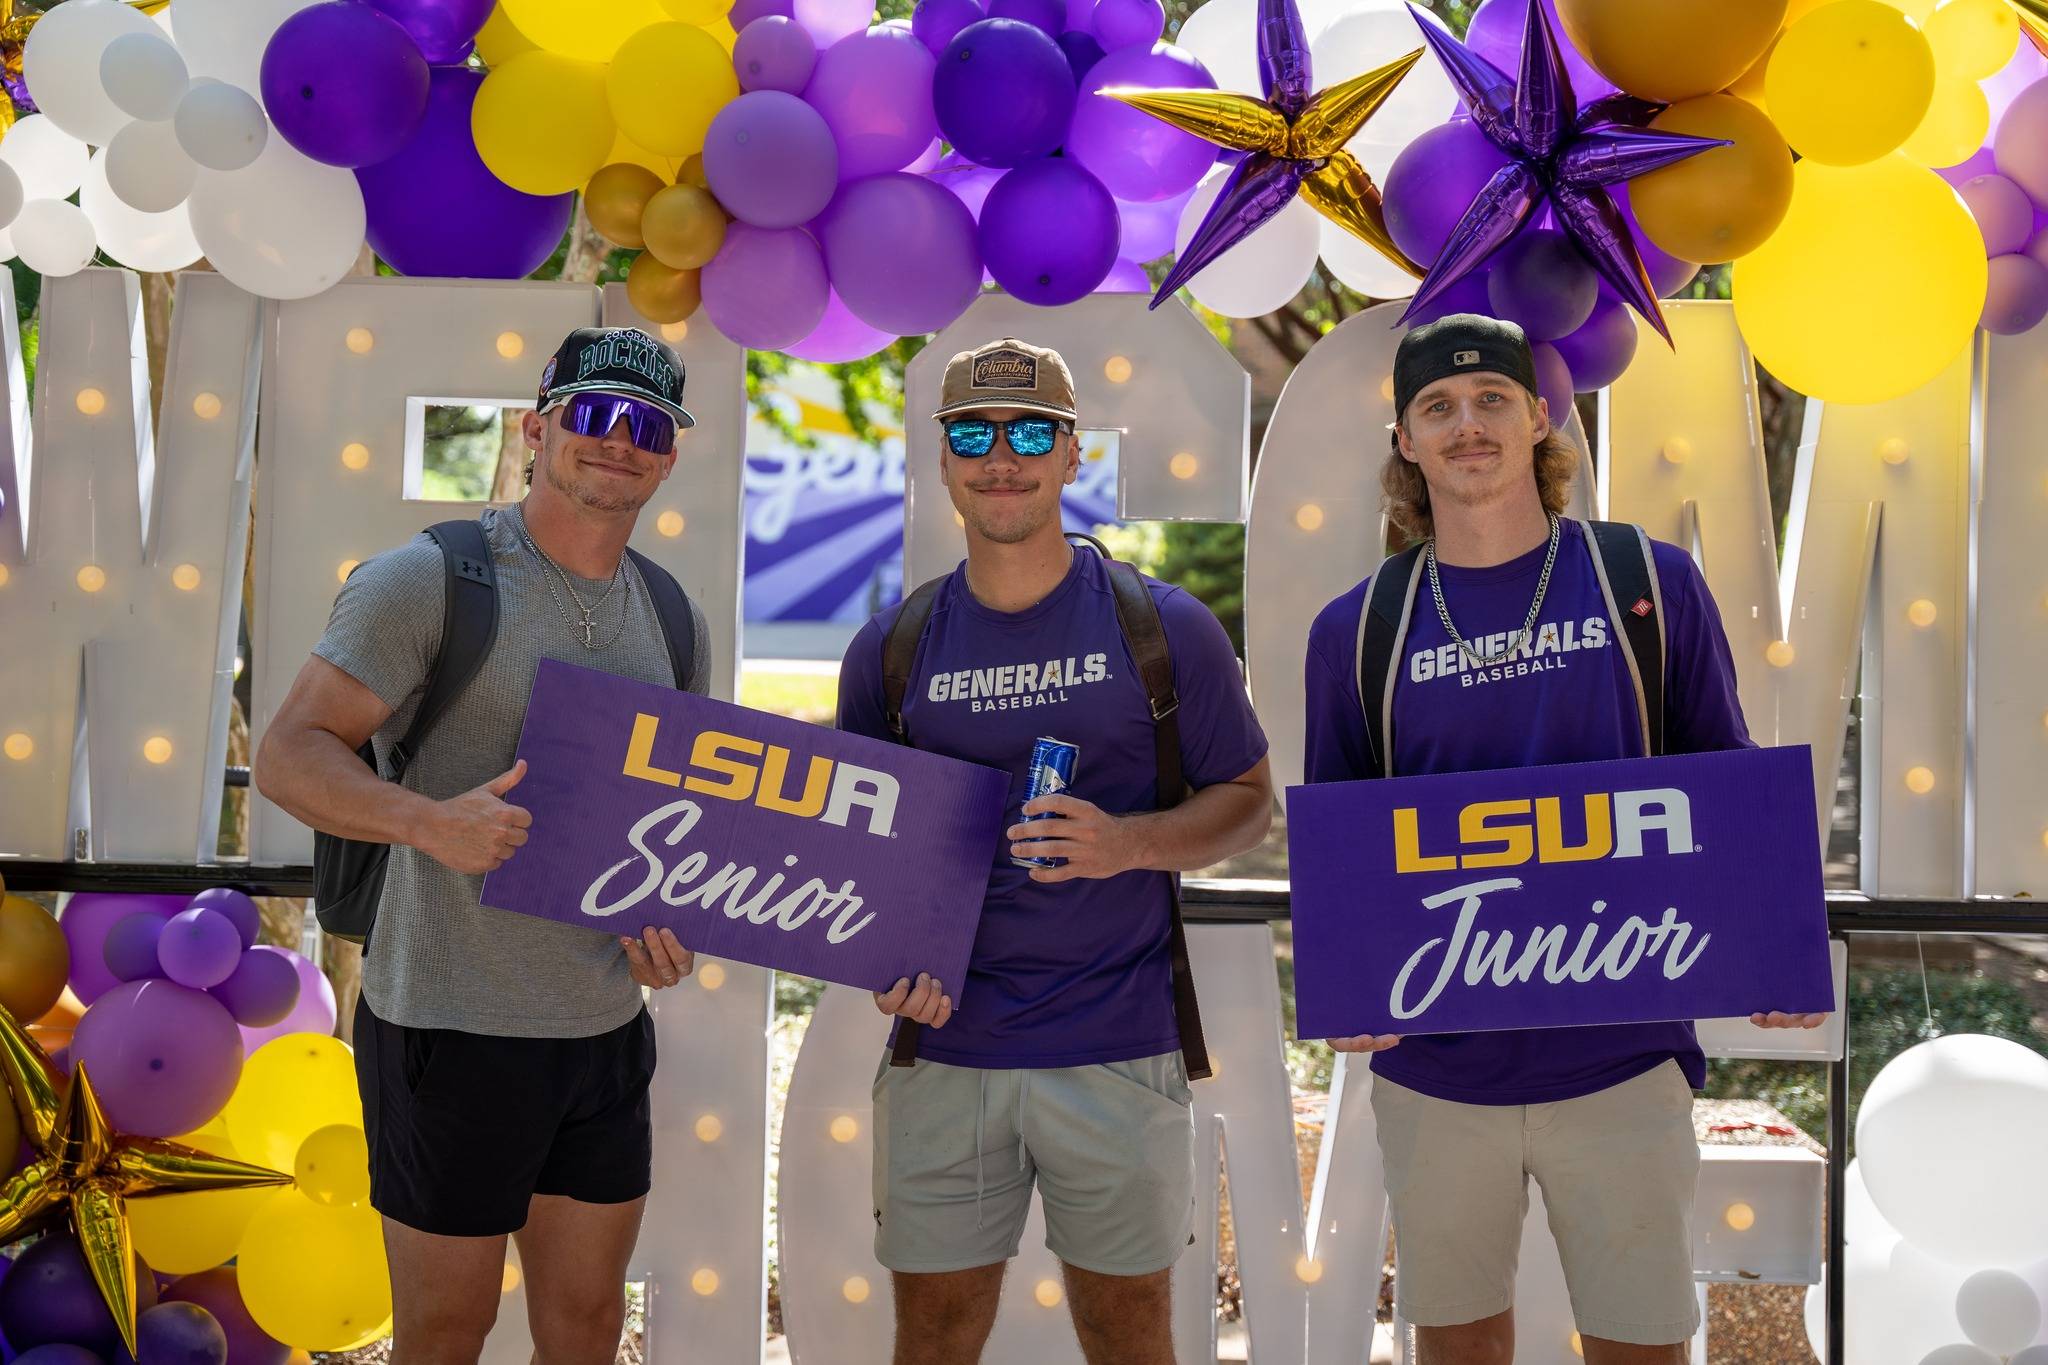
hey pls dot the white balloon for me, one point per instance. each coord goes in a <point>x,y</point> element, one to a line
<point>146,167</point>
<point>7,252</point>
<point>11,197</point>
<point>1861,1222</point>
<point>1359,266</point>
<point>53,237</point>
<point>144,75</point>
<point>61,64</point>
<point>284,227</point>
<point>1263,271</point>
<point>225,38</point>
<point>1901,1304</point>
<point>49,160</point>
<point>140,241</point>
<point>1959,1353</point>
<point>1371,38</point>
<point>1224,35</point>
<point>2033,1355</point>
<point>1998,1311</point>
<point>1949,1139</point>
<point>221,126</point>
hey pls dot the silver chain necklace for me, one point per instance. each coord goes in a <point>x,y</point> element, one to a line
<point>583,626</point>
<point>1521,640</point>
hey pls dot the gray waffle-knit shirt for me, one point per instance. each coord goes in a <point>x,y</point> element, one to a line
<point>438,957</point>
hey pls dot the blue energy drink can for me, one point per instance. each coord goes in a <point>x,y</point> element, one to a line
<point>1052,772</point>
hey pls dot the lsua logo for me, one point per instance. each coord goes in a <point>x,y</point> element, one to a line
<point>736,768</point>
<point>1511,833</point>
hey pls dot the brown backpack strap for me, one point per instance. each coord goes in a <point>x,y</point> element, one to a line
<point>899,661</point>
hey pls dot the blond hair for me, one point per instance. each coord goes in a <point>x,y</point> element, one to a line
<point>1407,492</point>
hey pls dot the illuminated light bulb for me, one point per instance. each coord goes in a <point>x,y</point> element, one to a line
<point>1778,654</point>
<point>705,1281</point>
<point>1117,370</point>
<point>18,746</point>
<point>355,455</point>
<point>344,569</point>
<point>4,575</point>
<point>1578,1345</point>
<point>2044,838</point>
<point>1183,465</point>
<point>711,976</point>
<point>855,1290</point>
<point>511,345</point>
<point>709,1129</point>
<point>1047,1293</point>
<point>91,402</point>
<point>1741,1217</point>
<point>844,1129</point>
<point>1307,1269</point>
<point>674,331</point>
<point>156,749</point>
<point>92,578</point>
<point>207,405</point>
<point>1308,516</point>
<point>359,340</point>
<point>1919,781</point>
<point>1921,613</point>
<point>1893,450</point>
<point>185,577</point>
<point>669,524</point>
<point>1677,450</point>
<point>1387,388</point>
<point>511,1278</point>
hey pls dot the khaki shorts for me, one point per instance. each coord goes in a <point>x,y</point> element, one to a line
<point>1111,1148</point>
<point>1617,1169</point>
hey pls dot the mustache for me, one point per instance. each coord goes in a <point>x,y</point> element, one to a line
<point>1002,487</point>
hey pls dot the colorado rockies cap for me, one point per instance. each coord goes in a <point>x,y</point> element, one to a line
<point>621,360</point>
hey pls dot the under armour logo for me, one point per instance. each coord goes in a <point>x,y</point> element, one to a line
<point>1642,607</point>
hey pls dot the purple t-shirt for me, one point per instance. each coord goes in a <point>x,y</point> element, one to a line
<point>1570,700</point>
<point>1077,972</point>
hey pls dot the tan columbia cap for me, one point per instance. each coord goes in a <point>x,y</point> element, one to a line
<point>1008,374</point>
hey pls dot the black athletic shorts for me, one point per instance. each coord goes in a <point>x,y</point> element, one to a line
<point>464,1129</point>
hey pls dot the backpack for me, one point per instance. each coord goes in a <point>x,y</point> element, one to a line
<point>1623,563</point>
<point>1138,615</point>
<point>348,874</point>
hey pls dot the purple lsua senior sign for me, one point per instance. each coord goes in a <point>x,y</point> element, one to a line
<point>752,836</point>
<point>1639,890</point>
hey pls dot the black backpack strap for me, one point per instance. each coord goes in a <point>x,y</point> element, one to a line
<point>678,622</point>
<point>899,660</point>
<point>1623,562</point>
<point>1382,626</point>
<point>469,626</point>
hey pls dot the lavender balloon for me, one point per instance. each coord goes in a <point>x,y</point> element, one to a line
<point>1003,93</point>
<point>902,253</point>
<point>1135,155</point>
<point>831,20</point>
<point>179,1334</point>
<point>163,1057</point>
<point>262,989</point>
<point>1047,16</point>
<point>937,22</point>
<point>1598,353</point>
<point>444,30</point>
<point>874,91</point>
<point>771,160</point>
<point>49,1298</point>
<point>199,948</point>
<point>774,53</point>
<point>86,921</point>
<point>2016,295</point>
<point>839,337</point>
<point>130,950</point>
<point>313,1014</point>
<point>1128,23</point>
<point>2021,143</point>
<point>1049,232</point>
<point>1148,229</point>
<point>1125,277</point>
<point>219,1292</point>
<point>1540,282</point>
<point>766,287</point>
<point>57,1353</point>
<point>745,12</point>
<point>344,83</point>
<point>237,906</point>
<point>1433,181</point>
<point>1083,52</point>
<point>966,181</point>
<point>2003,212</point>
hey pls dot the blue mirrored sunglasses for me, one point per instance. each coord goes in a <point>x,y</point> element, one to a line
<point>595,414</point>
<point>974,437</point>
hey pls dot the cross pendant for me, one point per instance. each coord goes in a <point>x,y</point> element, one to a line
<point>586,633</point>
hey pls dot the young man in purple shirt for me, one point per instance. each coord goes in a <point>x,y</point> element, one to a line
<point>1062,1064</point>
<point>1511,658</point>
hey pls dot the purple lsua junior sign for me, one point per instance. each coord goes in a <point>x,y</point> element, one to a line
<point>1682,887</point>
<point>754,837</point>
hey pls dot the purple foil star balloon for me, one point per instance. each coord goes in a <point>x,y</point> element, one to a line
<point>1559,153</point>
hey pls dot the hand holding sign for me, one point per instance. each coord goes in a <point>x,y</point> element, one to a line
<point>926,1003</point>
<point>478,830</point>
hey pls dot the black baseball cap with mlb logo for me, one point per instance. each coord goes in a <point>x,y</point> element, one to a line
<point>621,360</point>
<point>1007,374</point>
<point>1457,344</point>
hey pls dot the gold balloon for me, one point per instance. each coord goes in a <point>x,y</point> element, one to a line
<point>2034,22</point>
<point>1722,203</point>
<point>683,227</point>
<point>660,293</point>
<point>1675,49</point>
<point>692,172</point>
<point>34,958</point>
<point>616,197</point>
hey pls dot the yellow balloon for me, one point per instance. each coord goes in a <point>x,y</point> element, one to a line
<point>1849,82</point>
<point>292,1087</point>
<point>500,40</point>
<point>1957,121</point>
<point>1917,10</point>
<point>1750,84</point>
<point>334,1166</point>
<point>666,83</point>
<point>1972,39</point>
<point>589,30</point>
<point>181,1234</point>
<point>702,13</point>
<point>724,34</point>
<point>1722,203</point>
<point>314,1276</point>
<point>626,152</point>
<point>1804,301</point>
<point>1671,49</point>
<point>541,122</point>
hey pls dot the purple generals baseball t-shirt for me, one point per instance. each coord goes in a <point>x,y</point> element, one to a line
<point>1568,699</point>
<point>1077,972</point>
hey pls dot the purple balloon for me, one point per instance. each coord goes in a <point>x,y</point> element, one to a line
<point>436,209</point>
<point>1553,381</point>
<point>937,22</point>
<point>1981,162</point>
<point>766,286</point>
<point>1049,232</point>
<point>771,160</point>
<point>968,182</point>
<point>1466,296</point>
<point>902,253</point>
<point>49,1298</point>
<point>219,1292</point>
<point>444,30</point>
<point>2020,145</point>
<point>1540,282</point>
<point>1496,34</point>
<point>1148,229</point>
<point>1003,93</point>
<point>831,20</point>
<point>774,53</point>
<point>58,1353</point>
<point>1598,353</point>
<point>839,337</point>
<point>1080,16</point>
<point>237,906</point>
<point>130,949</point>
<point>1433,181</point>
<point>1047,16</point>
<point>262,989</point>
<point>344,83</point>
<point>745,12</point>
<point>1083,52</point>
<point>163,1057</point>
<point>87,918</point>
<point>199,948</point>
<point>179,1334</point>
<point>1128,23</point>
<point>1135,155</point>
<point>874,90</point>
<point>1125,277</point>
<point>313,1014</point>
<point>2003,212</point>
<point>2016,295</point>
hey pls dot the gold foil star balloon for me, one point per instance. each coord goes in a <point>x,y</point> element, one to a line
<point>83,1168</point>
<point>2033,22</point>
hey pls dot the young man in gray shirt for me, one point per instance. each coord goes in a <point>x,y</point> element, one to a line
<point>504,1060</point>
